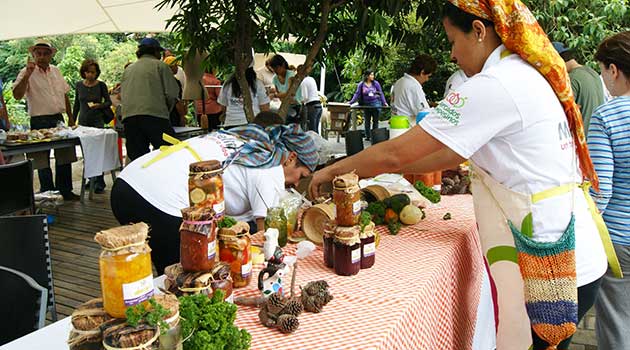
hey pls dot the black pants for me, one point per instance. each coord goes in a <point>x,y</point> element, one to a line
<point>63,173</point>
<point>372,116</point>
<point>142,130</point>
<point>213,121</point>
<point>128,207</point>
<point>586,298</point>
<point>313,115</point>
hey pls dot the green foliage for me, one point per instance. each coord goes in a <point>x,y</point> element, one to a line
<point>211,322</point>
<point>394,227</point>
<point>70,65</point>
<point>427,192</point>
<point>581,24</point>
<point>18,115</point>
<point>227,222</point>
<point>364,220</point>
<point>113,62</point>
<point>154,316</point>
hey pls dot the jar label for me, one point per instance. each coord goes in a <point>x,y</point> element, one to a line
<point>212,249</point>
<point>334,209</point>
<point>219,208</point>
<point>138,291</point>
<point>369,249</point>
<point>246,269</point>
<point>356,255</point>
<point>356,207</point>
<point>230,299</point>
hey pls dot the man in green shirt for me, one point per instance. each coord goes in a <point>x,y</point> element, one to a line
<point>148,94</point>
<point>585,82</point>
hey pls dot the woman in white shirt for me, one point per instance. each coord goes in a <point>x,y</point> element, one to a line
<point>231,99</point>
<point>511,123</point>
<point>410,98</point>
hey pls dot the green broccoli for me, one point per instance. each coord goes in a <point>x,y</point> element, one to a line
<point>394,227</point>
<point>364,220</point>
<point>427,192</point>
<point>377,209</point>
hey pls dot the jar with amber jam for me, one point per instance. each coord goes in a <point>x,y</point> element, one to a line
<point>347,250</point>
<point>198,244</point>
<point>347,199</point>
<point>368,246</point>
<point>205,185</point>
<point>125,267</point>
<point>234,249</point>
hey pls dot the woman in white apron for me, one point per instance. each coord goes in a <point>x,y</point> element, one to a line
<point>516,120</point>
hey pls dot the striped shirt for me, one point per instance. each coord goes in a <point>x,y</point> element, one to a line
<point>609,144</point>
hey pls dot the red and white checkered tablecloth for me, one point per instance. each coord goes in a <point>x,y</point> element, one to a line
<point>422,292</point>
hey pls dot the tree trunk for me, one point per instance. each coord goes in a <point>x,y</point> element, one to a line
<point>305,69</point>
<point>243,55</point>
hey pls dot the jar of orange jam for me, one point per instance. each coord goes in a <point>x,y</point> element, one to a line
<point>125,268</point>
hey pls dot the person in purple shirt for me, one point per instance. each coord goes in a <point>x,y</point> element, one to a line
<point>370,94</point>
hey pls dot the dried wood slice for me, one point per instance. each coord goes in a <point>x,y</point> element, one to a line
<point>316,219</point>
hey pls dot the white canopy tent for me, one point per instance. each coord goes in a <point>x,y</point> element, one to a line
<point>38,18</point>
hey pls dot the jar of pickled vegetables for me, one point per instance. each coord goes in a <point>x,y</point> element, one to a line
<point>368,246</point>
<point>347,250</point>
<point>205,186</point>
<point>198,245</point>
<point>347,199</point>
<point>125,267</point>
<point>234,249</point>
<point>276,219</point>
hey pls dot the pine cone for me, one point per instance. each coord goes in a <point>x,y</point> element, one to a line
<point>288,323</point>
<point>315,295</point>
<point>264,317</point>
<point>275,303</point>
<point>293,307</point>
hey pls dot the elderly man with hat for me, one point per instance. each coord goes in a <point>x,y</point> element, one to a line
<point>149,92</point>
<point>585,82</point>
<point>46,92</point>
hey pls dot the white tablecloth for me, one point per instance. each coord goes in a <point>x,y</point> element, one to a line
<point>100,150</point>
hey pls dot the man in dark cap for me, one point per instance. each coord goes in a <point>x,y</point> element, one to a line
<point>585,83</point>
<point>148,94</point>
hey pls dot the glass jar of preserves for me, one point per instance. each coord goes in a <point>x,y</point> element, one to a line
<point>234,249</point>
<point>327,245</point>
<point>198,245</point>
<point>347,250</point>
<point>205,186</point>
<point>276,219</point>
<point>368,246</point>
<point>347,199</point>
<point>125,267</point>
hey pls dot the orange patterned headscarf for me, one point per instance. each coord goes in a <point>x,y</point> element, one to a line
<point>521,34</point>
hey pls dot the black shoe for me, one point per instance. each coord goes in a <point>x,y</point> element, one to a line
<point>71,197</point>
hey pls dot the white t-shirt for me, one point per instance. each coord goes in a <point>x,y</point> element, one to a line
<point>454,81</point>
<point>410,98</point>
<point>164,183</point>
<point>235,112</point>
<point>508,120</point>
<point>309,90</point>
<point>242,186</point>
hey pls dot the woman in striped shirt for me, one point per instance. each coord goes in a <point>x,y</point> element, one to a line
<point>609,144</point>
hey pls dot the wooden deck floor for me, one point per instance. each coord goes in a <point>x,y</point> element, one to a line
<point>74,251</point>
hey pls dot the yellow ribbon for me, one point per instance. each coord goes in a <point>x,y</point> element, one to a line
<point>613,262</point>
<point>166,151</point>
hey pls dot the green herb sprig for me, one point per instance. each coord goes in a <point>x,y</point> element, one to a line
<point>153,316</point>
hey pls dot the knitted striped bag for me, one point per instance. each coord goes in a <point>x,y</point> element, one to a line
<point>548,271</point>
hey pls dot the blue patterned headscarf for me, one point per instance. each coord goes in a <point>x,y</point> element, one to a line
<point>267,147</point>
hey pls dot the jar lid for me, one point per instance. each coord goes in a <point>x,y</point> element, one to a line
<point>346,181</point>
<point>205,166</point>
<point>347,231</point>
<point>368,230</point>
<point>198,214</point>
<point>123,236</point>
<point>237,230</point>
